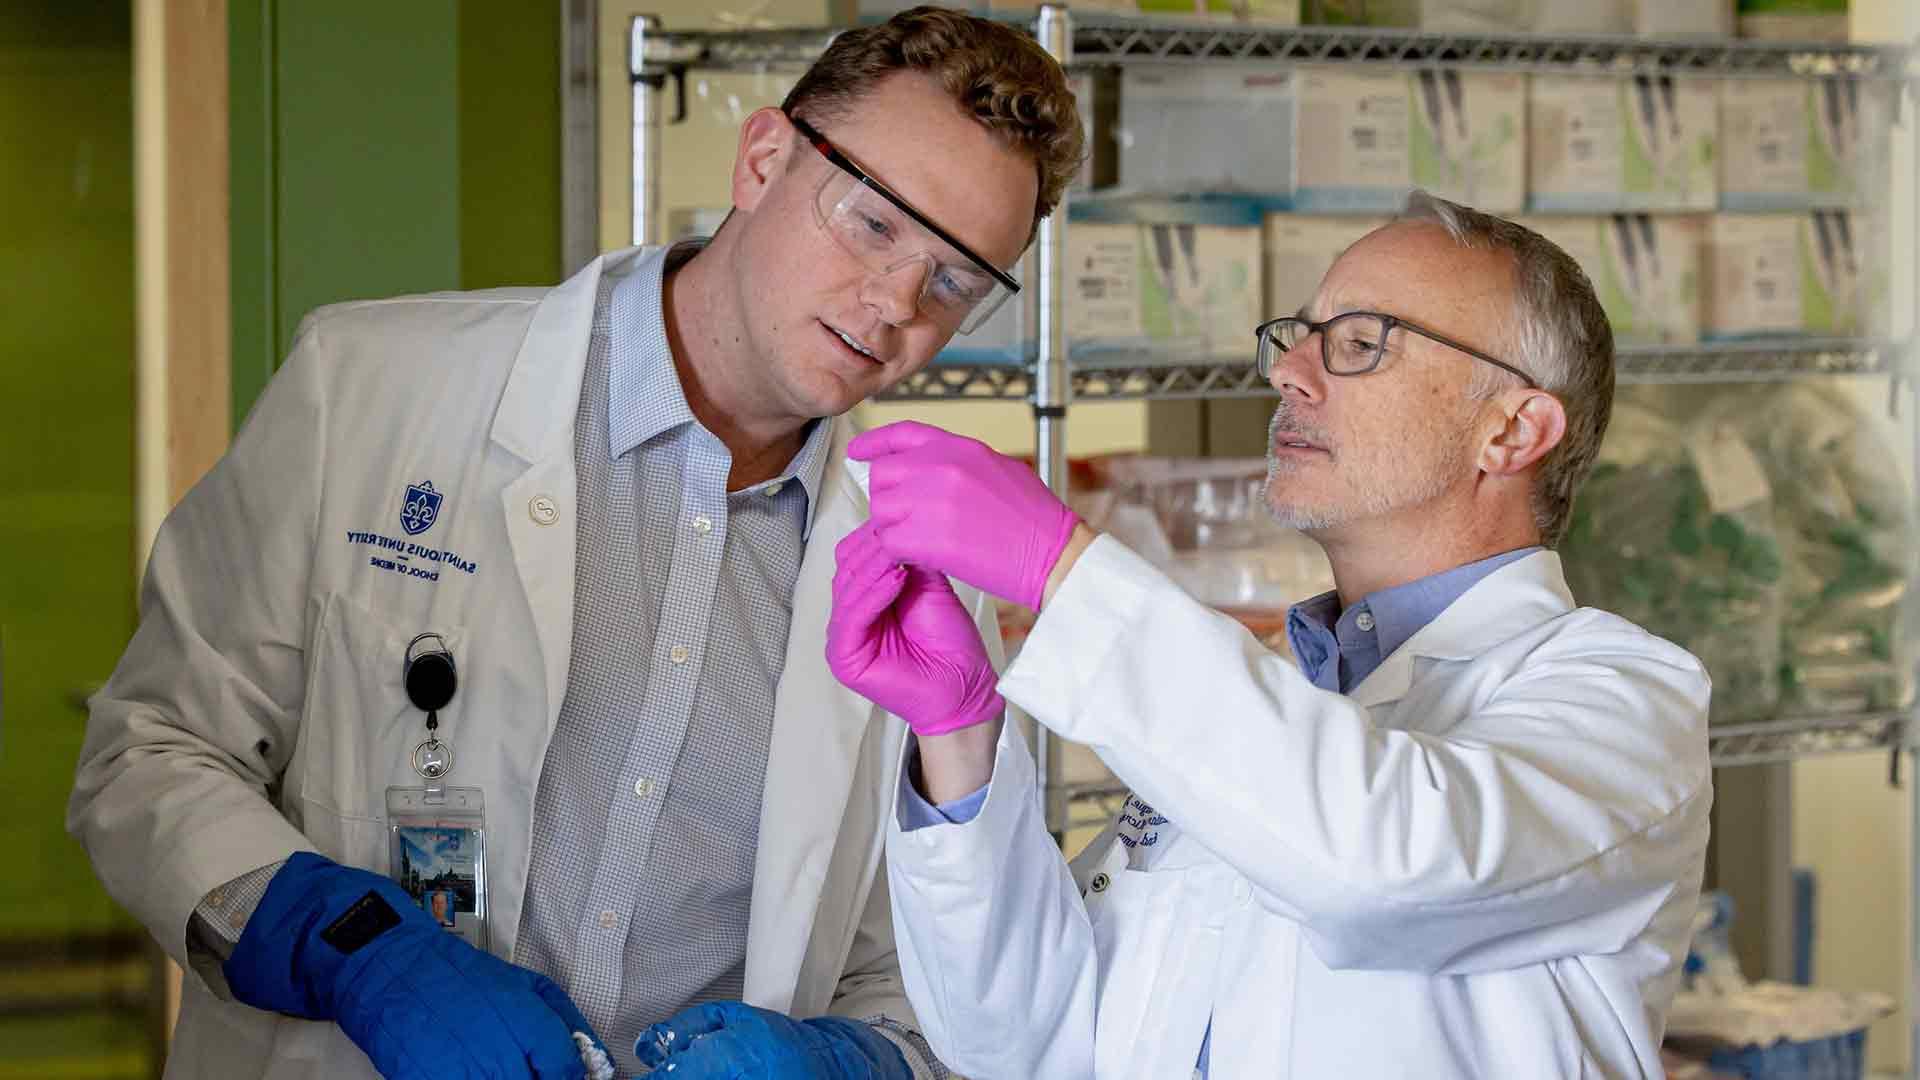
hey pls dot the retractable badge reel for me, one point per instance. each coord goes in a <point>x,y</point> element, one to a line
<point>437,834</point>
<point>431,680</point>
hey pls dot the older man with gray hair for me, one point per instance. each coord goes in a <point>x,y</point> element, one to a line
<point>1460,834</point>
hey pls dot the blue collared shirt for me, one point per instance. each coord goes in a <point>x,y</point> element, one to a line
<point>647,817</point>
<point>1336,651</point>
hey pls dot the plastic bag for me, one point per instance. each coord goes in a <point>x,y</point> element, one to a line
<point>1849,641</point>
<point>1674,530</point>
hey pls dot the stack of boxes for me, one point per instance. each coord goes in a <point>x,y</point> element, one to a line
<point>1703,209</point>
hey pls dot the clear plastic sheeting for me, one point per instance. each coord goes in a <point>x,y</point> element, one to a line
<point>1849,641</point>
<point>1675,531</point>
<point>1766,528</point>
<point>1206,523</point>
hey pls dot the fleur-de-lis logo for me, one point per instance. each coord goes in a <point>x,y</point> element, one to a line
<point>421,508</point>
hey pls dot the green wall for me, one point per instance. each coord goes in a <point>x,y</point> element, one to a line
<point>66,523</point>
<point>383,148</point>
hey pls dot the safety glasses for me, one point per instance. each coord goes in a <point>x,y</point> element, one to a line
<point>888,236</point>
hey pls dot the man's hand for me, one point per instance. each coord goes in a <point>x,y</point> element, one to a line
<point>952,504</point>
<point>731,1040</point>
<point>900,637</point>
<point>331,942</point>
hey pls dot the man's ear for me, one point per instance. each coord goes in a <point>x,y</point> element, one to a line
<point>1535,424</point>
<point>765,139</point>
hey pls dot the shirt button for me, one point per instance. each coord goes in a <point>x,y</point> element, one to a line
<point>774,488</point>
<point>608,920</point>
<point>543,510</point>
<point>1364,620</point>
<point>237,921</point>
<point>217,897</point>
<point>643,787</point>
<point>678,654</point>
<point>703,525</point>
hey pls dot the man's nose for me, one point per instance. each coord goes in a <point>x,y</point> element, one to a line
<point>895,292</point>
<point>1298,371</point>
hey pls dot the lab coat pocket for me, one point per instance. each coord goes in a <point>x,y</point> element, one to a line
<point>358,731</point>
<point>1157,954</point>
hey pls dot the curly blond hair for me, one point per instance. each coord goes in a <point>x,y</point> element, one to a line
<point>996,74</point>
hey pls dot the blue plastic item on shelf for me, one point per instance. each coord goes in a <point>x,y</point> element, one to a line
<point>1838,1057</point>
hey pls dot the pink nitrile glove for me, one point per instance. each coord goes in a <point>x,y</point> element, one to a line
<point>899,637</point>
<point>953,504</point>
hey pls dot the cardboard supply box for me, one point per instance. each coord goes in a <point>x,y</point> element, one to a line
<point>1479,16</point>
<point>1206,129</point>
<point>1789,144</point>
<point>1362,139</point>
<point>1265,12</point>
<point>1793,20</point>
<point>1178,291</point>
<point>1808,273</point>
<point>1602,143</point>
<point>1649,270</point>
<point>1299,250</point>
<point>1683,18</point>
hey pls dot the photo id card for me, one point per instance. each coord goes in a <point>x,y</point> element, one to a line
<point>438,854</point>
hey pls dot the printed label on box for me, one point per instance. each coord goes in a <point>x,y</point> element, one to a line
<point>1604,143</point>
<point>1729,471</point>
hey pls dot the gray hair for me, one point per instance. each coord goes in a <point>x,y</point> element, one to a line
<point>1557,333</point>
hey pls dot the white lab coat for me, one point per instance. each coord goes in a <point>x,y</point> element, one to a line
<point>1482,863</point>
<point>259,709</point>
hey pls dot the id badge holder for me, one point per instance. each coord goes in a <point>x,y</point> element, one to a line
<point>437,850</point>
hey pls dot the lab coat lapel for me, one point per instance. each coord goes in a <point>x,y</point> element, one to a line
<point>818,726</point>
<point>1514,598</point>
<point>535,423</point>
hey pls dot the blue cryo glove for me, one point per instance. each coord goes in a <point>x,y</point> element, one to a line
<point>731,1040</point>
<point>330,942</point>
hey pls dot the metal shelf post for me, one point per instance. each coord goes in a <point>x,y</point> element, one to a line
<point>648,87</point>
<point>1052,389</point>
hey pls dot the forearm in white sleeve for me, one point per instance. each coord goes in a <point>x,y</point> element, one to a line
<point>1554,817</point>
<point>995,944</point>
<point>201,715</point>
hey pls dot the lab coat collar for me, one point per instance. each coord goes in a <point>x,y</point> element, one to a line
<point>535,418</point>
<point>1517,597</point>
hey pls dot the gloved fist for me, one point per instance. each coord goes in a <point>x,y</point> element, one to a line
<point>731,1040</point>
<point>900,637</point>
<point>952,504</point>
<point>331,942</point>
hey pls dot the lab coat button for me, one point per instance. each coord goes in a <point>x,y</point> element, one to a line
<point>1364,620</point>
<point>643,787</point>
<point>1100,882</point>
<point>543,510</point>
<point>1242,892</point>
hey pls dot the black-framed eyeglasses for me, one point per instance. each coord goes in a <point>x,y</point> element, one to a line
<point>1352,343</point>
<point>886,233</point>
